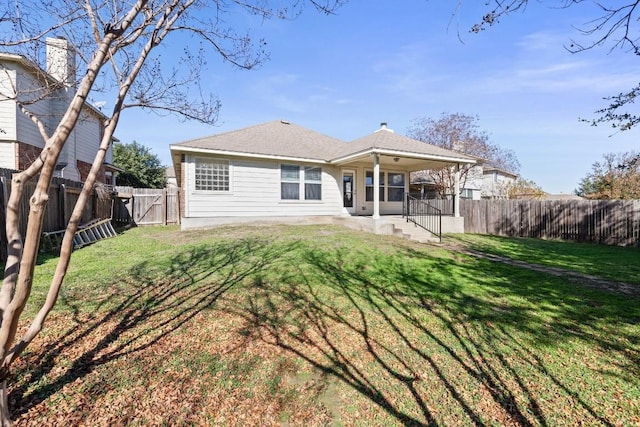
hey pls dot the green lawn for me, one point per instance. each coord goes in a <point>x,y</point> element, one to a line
<point>326,326</point>
<point>609,262</point>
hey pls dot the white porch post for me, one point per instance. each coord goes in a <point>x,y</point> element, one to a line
<point>376,186</point>
<point>456,191</point>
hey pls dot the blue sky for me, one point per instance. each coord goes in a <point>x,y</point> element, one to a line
<point>383,61</point>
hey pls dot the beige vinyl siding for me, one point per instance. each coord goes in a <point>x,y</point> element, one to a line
<point>87,137</point>
<point>8,155</point>
<point>255,191</point>
<point>27,131</point>
<point>108,158</point>
<point>7,108</point>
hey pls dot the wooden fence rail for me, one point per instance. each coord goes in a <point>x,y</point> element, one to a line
<point>63,195</point>
<point>612,222</point>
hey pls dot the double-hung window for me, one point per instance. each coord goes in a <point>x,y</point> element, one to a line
<point>395,183</point>
<point>312,183</point>
<point>466,193</point>
<point>368,184</point>
<point>300,182</point>
<point>290,182</point>
<point>212,174</point>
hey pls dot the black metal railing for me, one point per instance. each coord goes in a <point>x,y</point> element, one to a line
<point>423,214</point>
<point>446,205</point>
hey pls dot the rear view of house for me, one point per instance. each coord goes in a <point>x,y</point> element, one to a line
<point>281,170</point>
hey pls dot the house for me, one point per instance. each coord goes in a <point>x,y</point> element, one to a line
<point>472,187</point>
<point>47,94</point>
<point>481,181</point>
<point>170,173</point>
<point>496,182</point>
<point>279,170</point>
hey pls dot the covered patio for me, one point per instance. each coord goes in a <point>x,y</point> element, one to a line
<point>385,154</point>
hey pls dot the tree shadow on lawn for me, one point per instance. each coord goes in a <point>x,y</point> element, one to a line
<point>429,351</point>
<point>428,339</point>
<point>136,315</point>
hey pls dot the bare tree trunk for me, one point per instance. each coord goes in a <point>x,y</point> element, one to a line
<point>5,416</point>
<point>144,25</point>
<point>76,216</point>
<point>18,280</point>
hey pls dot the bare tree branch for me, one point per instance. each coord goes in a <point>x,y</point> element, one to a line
<point>617,25</point>
<point>125,35</point>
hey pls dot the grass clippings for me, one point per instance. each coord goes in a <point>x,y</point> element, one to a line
<point>317,326</point>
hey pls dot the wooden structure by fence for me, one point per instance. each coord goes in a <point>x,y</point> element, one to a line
<point>63,195</point>
<point>612,222</point>
<point>123,205</point>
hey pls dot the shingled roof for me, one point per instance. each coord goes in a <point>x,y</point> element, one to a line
<point>278,138</point>
<point>281,139</point>
<point>387,140</point>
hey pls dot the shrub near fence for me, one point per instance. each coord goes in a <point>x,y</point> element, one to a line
<point>612,222</point>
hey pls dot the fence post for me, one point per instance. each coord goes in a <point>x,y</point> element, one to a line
<point>165,213</point>
<point>63,208</point>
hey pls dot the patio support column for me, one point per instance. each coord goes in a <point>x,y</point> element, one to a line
<point>456,191</point>
<point>376,186</point>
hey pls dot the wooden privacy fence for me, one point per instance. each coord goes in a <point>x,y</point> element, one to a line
<point>612,222</point>
<point>147,206</point>
<point>123,205</point>
<point>63,195</point>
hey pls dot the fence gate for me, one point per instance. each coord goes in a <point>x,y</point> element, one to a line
<point>148,209</point>
<point>145,206</point>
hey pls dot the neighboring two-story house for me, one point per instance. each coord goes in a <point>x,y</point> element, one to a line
<point>496,182</point>
<point>481,181</point>
<point>47,93</point>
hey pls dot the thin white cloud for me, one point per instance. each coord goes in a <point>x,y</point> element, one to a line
<point>540,64</point>
<point>409,71</point>
<point>291,93</point>
<point>556,78</point>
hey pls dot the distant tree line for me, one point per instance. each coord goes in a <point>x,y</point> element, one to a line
<point>616,176</point>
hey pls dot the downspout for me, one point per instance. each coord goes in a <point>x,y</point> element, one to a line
<point>376,186</point>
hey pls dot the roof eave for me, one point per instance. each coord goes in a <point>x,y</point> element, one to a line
<point>396,153</point>
<point>194,150</point>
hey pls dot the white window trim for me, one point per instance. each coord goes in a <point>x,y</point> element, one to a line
<point>205,159</point>
<point>387,186</point>
<point>383,184</point>
<point>301,182</point>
